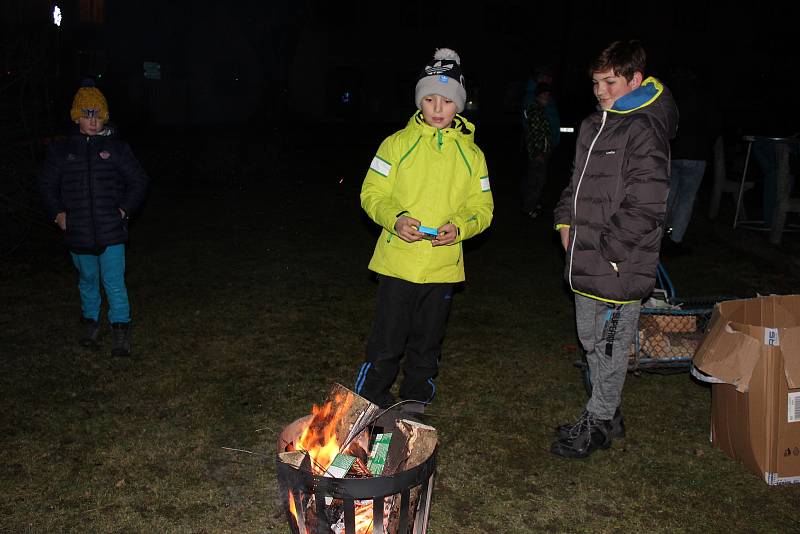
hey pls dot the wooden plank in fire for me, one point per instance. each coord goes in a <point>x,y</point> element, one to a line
<point>299,459</point>
<point>411,445</point>
<point>415,444</point>
<point>356,417</point>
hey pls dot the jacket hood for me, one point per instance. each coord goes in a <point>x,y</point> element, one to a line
<point>461,127</point>
<point>653,98</point>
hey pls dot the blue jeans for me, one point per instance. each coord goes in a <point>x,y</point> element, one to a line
<point>110,268</point>
<point>684,181</point>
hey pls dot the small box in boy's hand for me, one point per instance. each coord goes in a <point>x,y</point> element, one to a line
<point>428,232</point>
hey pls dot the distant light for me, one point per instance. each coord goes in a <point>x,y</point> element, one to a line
<point>567,130</point>
<point>152,70</point>
<point>57,16</point>
<point>346,97</point>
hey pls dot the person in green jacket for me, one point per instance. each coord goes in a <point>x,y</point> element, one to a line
<point>428,188</point>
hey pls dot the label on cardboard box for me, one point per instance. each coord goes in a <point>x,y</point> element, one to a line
<point>774,480</point>
<point>794,407</point>
<point>771,337</point>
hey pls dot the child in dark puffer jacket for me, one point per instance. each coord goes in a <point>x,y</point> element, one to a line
<point>90,184</point>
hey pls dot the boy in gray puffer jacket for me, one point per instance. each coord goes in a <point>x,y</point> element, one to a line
<point>610,218</point>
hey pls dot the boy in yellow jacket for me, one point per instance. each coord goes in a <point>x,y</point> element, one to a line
<point>428,188</point>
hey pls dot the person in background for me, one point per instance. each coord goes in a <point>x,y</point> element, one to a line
<point>690,151</point>
<point>91,184</point>
<point>539,144</point>
<point>542,74</point>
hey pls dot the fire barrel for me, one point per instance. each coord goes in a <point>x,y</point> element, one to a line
<point>325,505</point>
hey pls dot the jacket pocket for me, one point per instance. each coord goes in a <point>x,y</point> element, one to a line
<point>638,272</point>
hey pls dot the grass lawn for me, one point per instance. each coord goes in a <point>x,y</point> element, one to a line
<point>250,296</point>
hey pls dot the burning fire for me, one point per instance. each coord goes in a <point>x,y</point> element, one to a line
<point>363,517</point>
<point>319,439</point>
<point>292,509</point>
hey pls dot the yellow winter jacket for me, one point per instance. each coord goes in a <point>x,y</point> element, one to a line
<point>435,176</point>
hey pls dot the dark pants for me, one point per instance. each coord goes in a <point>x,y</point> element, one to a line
<point>533,183</point>
<point>410,321</point>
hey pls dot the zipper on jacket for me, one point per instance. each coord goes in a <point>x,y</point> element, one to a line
<point>439,137</point>
<point>575,198</point>
<point>91,188</point>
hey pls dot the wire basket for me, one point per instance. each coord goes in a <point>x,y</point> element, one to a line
<point>671,328</point>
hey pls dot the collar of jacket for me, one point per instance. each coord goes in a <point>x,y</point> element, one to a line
<point>107,131</point>
<point>643,96</point>
<point>461,128</point>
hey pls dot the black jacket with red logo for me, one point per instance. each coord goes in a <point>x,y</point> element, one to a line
<point>91,178</point>
<point>615,202</point>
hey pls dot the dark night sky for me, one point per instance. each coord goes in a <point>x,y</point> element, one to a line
<point>252,59</point>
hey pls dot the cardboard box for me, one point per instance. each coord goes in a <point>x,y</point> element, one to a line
<point>752,356</point>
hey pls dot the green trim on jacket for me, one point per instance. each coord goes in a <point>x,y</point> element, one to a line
<point>437,176</point>
<point>595,297</point>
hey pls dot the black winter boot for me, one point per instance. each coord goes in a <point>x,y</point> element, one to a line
<point>90,332</point>
<point>585,437</point>
<point>121,345</point>
<point>617,426</point>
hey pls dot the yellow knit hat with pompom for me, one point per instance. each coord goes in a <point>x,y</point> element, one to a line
<point>88,102</point>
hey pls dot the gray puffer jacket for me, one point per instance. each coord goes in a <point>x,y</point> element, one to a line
<point>615,202</point>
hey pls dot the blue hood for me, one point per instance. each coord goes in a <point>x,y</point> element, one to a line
<point>653,98</point>
<point>638,98</point>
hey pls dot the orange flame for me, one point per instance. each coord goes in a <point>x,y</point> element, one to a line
<point>292,509</point>
<point>319,439</point>
<point>364,517</point>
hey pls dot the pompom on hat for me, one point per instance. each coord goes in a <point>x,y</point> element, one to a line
<point>89,102</point>
<point>442,76</point>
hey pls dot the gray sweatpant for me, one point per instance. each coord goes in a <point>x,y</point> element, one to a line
<point>606,332</point>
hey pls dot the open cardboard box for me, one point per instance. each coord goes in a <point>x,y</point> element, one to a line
<point>751,355</point>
